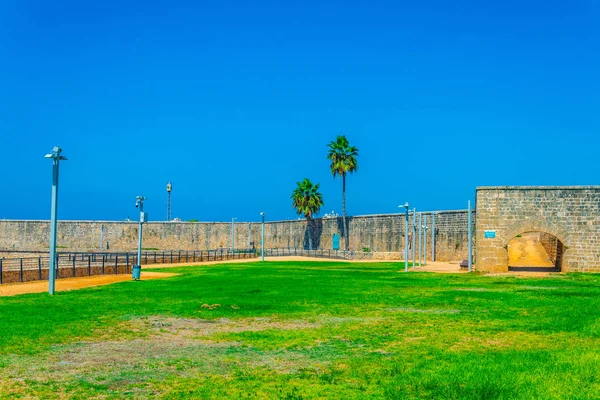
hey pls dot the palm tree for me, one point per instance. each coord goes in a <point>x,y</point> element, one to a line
<point>307,201</point>
<point>343,161</point>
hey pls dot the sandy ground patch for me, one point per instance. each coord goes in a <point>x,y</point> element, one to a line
<point>526,251</point>
<point>276,259</point>
<point>74,283</point>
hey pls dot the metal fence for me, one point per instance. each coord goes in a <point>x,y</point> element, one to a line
<point>319,253</point>
<point>78,264</point>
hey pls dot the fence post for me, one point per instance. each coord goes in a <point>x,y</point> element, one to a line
<point>89,265</point>
<point>171,256</point>
<point>127,263</point>
<point>116,262</point>
<point>0,271</point>
<point>39,268</point>
<point>154,257</point>
<point>194,256</point>
<point>21,273</point>
<point>103,259</point>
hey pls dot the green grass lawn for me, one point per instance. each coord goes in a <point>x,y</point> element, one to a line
<point>303,330</point>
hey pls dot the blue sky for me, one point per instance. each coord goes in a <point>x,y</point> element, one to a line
<point>234,102</point>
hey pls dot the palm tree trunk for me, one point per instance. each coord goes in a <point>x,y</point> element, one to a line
<point>344,212</point>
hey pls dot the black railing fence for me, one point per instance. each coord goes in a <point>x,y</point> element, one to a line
<point>77,264</point>
<point>318,253</point>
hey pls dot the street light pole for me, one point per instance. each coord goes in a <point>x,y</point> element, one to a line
<point>414,238</point>
<point>470,248</point>
<point>262,252</point>
<point>169,190</point>
<point>420,239</point>
<point>406,238</point>
<point>137,269</point>
<point>56,158</point>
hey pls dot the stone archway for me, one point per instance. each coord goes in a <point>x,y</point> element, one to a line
<point>535,251</point>
<point>569,213</point>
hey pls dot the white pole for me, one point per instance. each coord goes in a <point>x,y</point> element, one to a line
<point>433,237</point>
<point>470,256</point>
<point>53,225</point>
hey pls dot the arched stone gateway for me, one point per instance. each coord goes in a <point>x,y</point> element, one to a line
<point>570,214</point>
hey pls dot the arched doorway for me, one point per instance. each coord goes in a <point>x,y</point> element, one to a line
<point>535,251</point>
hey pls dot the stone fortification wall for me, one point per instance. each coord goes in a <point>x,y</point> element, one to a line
<point>569,213</point>
<point>384,233</point>
<point>550,244</point>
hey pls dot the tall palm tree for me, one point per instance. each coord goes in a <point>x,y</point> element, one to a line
<point>343,161</point>
<point>307,201</point>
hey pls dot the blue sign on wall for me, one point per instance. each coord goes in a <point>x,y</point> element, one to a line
<point>489,234</point>
<point>336,241</point>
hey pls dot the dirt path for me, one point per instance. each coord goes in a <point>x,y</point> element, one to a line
<point>527,251</point>
<point>74,283</point>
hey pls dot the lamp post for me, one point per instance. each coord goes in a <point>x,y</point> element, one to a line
<point>56,158</point>
<point>169,190</point>
<point>262,251</point>
<point>470,246</point>
<point>420,239</point>
<point>414,238</point>
<point>137,269</point>
<point>406,238</point>
<point>233,234</point>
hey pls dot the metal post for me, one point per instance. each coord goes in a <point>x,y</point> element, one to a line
<point>263,237</point>
<point>169,189</point>
<point>414,238</point>
<point>433,237</point>
<point>406,206</point>
<point>136,271</point>
<point>406,240</point>
<point>420,239</point>
<point>56,157</point>
<point>232,234</point>
<point>249,235</point>
<point>470,239</point>
<point>425,227</point>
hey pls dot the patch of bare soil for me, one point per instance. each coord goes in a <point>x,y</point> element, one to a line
<point>74,283</point>
<point>527,251</point>
<point>166,346</point>
<point>427,311</point>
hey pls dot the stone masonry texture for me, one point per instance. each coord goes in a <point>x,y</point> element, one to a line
<point>378,233</point>
<point>569,213</point>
